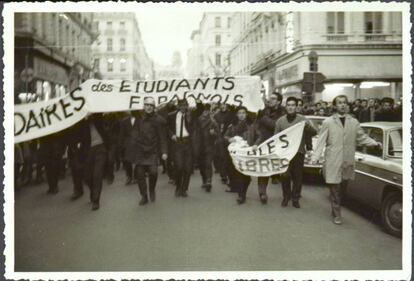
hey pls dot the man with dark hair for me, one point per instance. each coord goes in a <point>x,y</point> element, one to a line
<point>208,132</point>
<point>340,133</point>
<point>292,179</point>
<point>364,114</point>
<point>224,117</point>
<point>93,143</point>
<point>299,108</point>
<point>356,108</point>
<point>266,121</point>
<point>150,140</point>
<point>387,113</point>
<point>181,129</point>
<point>127,144</point>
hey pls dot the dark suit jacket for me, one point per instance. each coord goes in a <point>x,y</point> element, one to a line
<point>190,120</point>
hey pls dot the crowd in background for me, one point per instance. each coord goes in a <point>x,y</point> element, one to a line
<point>209,136</point>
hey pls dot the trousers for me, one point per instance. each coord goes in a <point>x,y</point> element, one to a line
<point>152,171</point>
<point>206,166</point>
<point>95,165</point>
<point>336,192</point>
<point>183,164</point>
<point>292,179</point>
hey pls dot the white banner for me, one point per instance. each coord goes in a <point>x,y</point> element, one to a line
<point>271,157</point>
<point>39,119</point>
<point>34,120</point>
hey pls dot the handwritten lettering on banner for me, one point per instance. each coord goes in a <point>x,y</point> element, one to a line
<point>39,119</point>
<point>271,157</point>
<point>243,90</point>
<point>34,120</point>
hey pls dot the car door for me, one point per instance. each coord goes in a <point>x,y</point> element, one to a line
<point>370,166</point>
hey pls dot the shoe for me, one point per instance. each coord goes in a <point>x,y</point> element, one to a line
<point>128,181</point>
<point>143,201</point>
<point>95,206</point>
<point>285,202</point>
<point>224,180</point>
<point>110,180</point>
<point>184,194</point>
<point>241,200</point>
<point>263,198</point>
<point>152,196</point>
<point>171,181</point>
<point>337,220</point>
<point>53,191</point>
<point>296,204</point>
<point>177,193</point>
<point>76,196</point>
<point>208,187</point>
<point>203,186</point>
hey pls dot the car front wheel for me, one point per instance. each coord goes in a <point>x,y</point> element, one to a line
<point>391,213</point>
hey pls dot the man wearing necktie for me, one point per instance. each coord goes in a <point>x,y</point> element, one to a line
<point>181,128</point>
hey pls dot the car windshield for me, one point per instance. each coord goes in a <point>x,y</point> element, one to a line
<point>317,123</point>
<point>395,143</point>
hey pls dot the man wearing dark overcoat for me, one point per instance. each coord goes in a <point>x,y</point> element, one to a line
<point>181,129</point>
<point>208,132</point>
<point>150,140</point>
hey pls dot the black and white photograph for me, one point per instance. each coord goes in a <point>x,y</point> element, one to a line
<point>207,141</point>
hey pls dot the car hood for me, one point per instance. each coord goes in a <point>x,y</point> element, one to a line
<point>395,165</point>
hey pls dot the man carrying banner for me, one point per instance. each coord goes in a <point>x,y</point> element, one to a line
<point>340,133</point>
<point>266,121</point>
<point>242,128</point>
<point>96,141</point>
<point>292,179</point>
<point>224,117</point>
<point>127,145</point>
<point>149,138</point>
<point>208,131</point>
<point>181,127</point>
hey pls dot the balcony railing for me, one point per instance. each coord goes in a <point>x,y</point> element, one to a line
<point>375,37</point>
<point>334,38</point>
<point>365,37</point>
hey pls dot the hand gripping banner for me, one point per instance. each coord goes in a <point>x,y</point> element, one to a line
<point>39,119</point>
<point>271,157</point>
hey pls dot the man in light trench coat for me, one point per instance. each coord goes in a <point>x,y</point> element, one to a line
<point>340,133</point>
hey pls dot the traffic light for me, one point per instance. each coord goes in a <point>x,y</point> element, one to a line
<point>313,82</point>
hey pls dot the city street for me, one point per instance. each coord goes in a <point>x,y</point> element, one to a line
<point>206,231</point>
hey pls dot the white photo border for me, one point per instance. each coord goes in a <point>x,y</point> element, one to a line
<point>8,60</point>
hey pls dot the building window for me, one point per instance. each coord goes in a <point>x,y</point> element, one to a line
<point>373,22</point>
<point>122,25</point>
<point>123,65</point>
<point>218,40</point>
<point>228,22</point>
<point>110,65</point>
<point>218,59</point>
<point>109,44</point>
<point>336,23</point>
<point>217,22</point>
<point>109,24</point>
<point>96,63</point>
<point>122,44</point>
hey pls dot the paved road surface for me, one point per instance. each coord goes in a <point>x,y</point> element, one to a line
<point>201,232</point>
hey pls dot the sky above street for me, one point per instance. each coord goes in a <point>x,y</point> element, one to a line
<point>165,31</point>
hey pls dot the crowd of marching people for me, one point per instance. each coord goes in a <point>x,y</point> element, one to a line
<point>183,139</point>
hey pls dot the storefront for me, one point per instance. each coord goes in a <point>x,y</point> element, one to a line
<point>359,76</point>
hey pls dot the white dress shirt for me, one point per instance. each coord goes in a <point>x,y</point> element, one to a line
<point>180,116</point>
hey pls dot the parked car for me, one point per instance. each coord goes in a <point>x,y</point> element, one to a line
<point>378,174</point>
<point>314,168</point>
